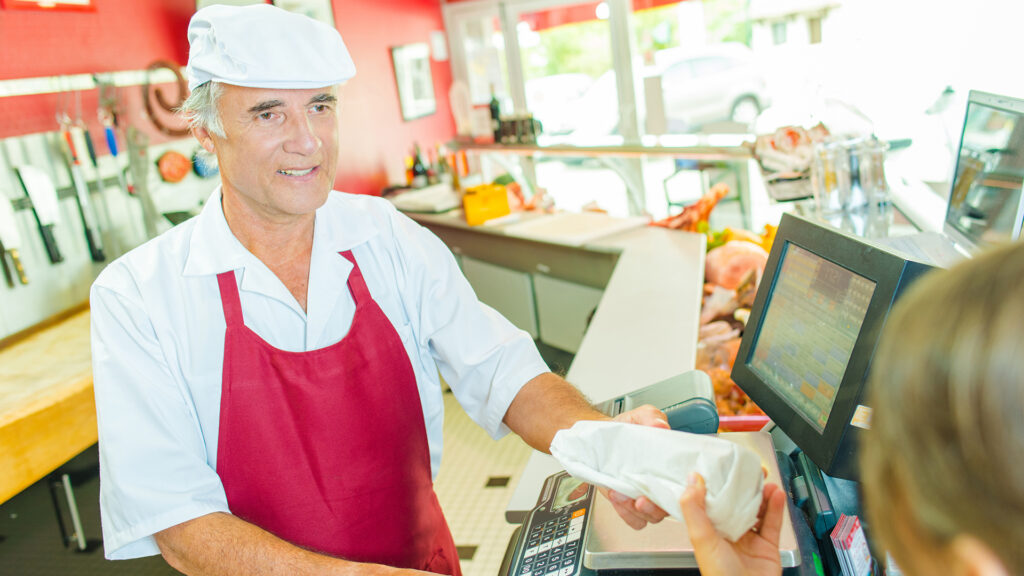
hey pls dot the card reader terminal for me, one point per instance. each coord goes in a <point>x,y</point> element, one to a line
<point>551,540</point>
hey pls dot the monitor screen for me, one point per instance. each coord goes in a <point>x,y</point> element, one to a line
<point>812,332</point>
<point>985,203</point>
<point>811,322</point>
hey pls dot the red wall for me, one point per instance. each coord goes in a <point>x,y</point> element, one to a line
<point>130,34</point>
<point>373,133</point>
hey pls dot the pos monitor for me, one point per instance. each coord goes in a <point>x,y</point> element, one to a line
<point>813,329</point>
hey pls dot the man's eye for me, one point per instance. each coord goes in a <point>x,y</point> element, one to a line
<point>266,115</point>
<point>319,107</point>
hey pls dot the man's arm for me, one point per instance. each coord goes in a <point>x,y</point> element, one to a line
<point>225,545</point>
<point>547,404</point>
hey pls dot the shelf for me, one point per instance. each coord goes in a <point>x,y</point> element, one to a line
<point>706,147</point>
<point>79,82</point>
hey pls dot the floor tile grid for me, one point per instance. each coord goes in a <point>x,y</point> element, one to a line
<point>476,513</point>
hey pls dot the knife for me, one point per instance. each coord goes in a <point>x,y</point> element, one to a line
<point>100,186</point>
<point>40,190</point>
<point>10,242</point>
<point>138,163</point>
<point>85,210</point>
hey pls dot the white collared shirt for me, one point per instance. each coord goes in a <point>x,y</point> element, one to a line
<point>158,348</point>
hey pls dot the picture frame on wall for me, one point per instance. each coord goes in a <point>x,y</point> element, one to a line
<point>50,5</point>
<point>414,80</point>
<point>316,9</point>
<point>200,4</point>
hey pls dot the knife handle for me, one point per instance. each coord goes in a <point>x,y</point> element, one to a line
<point>6,269</point>
<point>92,150</point>
<point>51,243</point>
<point>95,249</point>
<point>16,258</point>
<point>71,147</point>
<point>111,141</point>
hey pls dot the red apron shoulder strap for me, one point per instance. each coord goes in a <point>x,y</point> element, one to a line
<point>356,282</point>
<point>229,298</point>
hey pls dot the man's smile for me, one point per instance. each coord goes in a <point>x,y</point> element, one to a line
<point>296,171</point>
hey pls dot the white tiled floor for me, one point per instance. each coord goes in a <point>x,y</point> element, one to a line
<point>476,513</point>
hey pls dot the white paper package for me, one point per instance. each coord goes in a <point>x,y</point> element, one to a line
<point>640,460</point>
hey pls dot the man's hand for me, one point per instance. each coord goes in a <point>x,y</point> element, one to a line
<point>641,511</point>
<point>756,553</point>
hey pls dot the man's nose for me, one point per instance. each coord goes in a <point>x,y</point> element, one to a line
<point>302,138</point>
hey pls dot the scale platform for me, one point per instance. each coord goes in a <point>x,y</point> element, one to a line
<point>612,545</point>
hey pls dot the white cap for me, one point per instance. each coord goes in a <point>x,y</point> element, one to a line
<point>262,46</point>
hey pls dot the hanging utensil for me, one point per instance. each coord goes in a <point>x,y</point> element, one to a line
<point>39,188</point>
<point>138,163</point>
<point>85,209</point>
<point>108,117</point>
<point>10,242</point>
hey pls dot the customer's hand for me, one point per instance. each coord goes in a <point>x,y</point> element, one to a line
<point>756,553</point>
<point>641,511</point>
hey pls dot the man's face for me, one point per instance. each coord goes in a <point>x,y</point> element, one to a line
<point>279,154</point>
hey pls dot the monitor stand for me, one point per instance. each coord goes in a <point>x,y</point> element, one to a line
<point>817,501</point>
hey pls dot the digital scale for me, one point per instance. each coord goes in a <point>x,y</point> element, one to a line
<point>571,531</point>
<point>552,537</point>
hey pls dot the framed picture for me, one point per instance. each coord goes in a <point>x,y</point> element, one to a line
<point>316,9</point>
<point>415,84</point>
<point>200,4</point>
<point>55,5</point>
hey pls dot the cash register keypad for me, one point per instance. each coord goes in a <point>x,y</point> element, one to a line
<point>553,547</point>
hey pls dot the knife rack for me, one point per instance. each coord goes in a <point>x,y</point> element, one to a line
<point>25,203</point>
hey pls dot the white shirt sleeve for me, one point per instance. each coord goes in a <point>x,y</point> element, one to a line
<point>482,356</point>
<point>153,468</point>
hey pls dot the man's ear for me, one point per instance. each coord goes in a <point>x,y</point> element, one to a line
<point>204,137</point>
<point>974,558</point>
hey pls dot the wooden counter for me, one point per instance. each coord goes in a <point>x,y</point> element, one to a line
<point>47,410</point>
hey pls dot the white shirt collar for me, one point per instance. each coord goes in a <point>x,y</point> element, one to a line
<point>213,248</point>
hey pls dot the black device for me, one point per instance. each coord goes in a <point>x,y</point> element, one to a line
<point>550,541</point>
<point>807,348</point>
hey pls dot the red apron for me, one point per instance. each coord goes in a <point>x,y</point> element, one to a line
<point>327,449</point>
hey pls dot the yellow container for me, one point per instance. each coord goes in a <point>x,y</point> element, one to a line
<point>484,202</point>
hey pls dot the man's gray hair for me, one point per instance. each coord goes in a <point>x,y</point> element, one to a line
<point>200,108</point>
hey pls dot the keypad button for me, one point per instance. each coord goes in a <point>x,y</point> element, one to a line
<point>530,552</point>
<point>567,571</point>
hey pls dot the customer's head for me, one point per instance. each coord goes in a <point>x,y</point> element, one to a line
<point>943,467</point>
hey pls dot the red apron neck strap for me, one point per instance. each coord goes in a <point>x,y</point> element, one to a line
<point>229,298</point>
<point>356,282</point>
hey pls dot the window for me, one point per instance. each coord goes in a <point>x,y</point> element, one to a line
<point>779,30</point>
<point>814,29</point>
<point>834,61</point>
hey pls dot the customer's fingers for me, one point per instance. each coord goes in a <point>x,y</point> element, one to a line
<point>698,525</point>
<point>774,508</point>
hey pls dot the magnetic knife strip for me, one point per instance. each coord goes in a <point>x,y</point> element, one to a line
<point>25,203</point>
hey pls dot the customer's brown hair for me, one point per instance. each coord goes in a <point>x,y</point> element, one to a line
<point>945,455</point>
